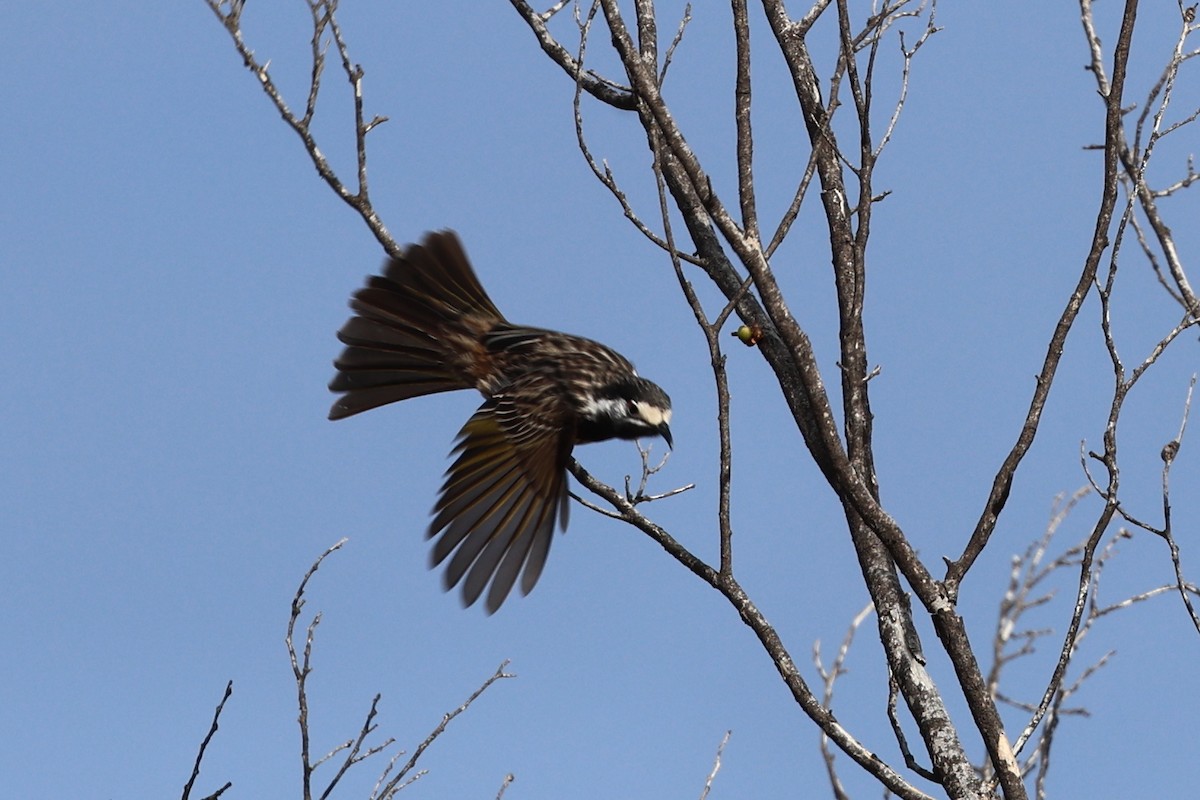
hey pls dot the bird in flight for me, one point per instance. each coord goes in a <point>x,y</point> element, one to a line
<point>426,325</point>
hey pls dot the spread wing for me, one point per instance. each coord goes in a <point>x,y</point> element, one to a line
<point>502,495</point>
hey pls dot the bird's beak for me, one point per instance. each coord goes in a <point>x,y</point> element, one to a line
<point>664,431</point>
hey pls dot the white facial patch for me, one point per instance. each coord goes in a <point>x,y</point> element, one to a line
<point>653,415</point>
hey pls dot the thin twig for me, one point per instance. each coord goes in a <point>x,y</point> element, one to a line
<point>323,17</point>
<point>1112,94</point>
<point>767,635</point>
<point>716,767</point>
<point>712,337</point>
<point>603,89</point>
<point>603,172</point>
<point>301,667</point>
<point>355,750</point>
<point>1169,452</point>
<point>212,730</point>
<point>829,677</point>
<point>394,784</point>
<point>683,23</point>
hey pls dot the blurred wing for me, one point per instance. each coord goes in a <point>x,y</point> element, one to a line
<point>502,495</point>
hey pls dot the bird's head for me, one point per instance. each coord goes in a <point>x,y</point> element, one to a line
<point>630,408</point>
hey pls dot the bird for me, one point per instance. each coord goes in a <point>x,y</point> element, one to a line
<point>425,325</point>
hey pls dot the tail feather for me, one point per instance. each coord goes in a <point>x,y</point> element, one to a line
<point>394,374</point>
<point>438,272</point>
<point>368,333</point>
<point>402,343</point>
<point>396,304</point>
<point>359,400</point>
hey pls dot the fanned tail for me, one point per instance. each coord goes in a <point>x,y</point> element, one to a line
<point>416,328</point>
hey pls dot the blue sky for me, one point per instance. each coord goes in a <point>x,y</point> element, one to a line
<point>173,275</point>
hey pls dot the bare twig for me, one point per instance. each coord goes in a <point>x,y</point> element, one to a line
<point>648,470</point>
<point>397,782</point>
<point>598,86</point>
<point>302,666</point>
<point>793,356</point>
<point>829,676</point>
<point>908,54</point>
<point>1002,483</point>
<point>683,23</point>
<point>1169,452</point>
<point>712,336</point>
<point>1025,593</point>
<point>1136,156</point>
<point>712,774</point>
<point>212,730</point>
<point>603,172</point>
<point>324,21</point>
<point>767,635</point>
<point>355,748</point>
<point>910,760</point>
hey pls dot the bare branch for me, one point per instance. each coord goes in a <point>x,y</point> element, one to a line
<point>323,19</point>
<point>908,54</point>
<point>640,496</point>
<point>683,23</point>
<point>301,667</point>
<point>741,115</point>
<point>712,775</point>
<point>767,635</point>
<point>1111,93</point>
<point>212,730</point>
<point>731,252</point>
<point>396,783</point>
<point>604,173</point>
<point>1025,592</point>
<point>509,778</point>
<point>910,760</point>
<point>355,748</point>
<point>829,677</point>
<point>601,88</point>
<point>712,336</point>
<point>355,752</point>
<point>1169,452</point>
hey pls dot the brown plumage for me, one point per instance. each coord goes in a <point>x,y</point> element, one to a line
<point>426,325</point>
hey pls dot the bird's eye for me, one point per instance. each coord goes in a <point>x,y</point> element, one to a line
<point>631,408</point>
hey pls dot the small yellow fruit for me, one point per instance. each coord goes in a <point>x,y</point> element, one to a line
<point>748,334</point>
